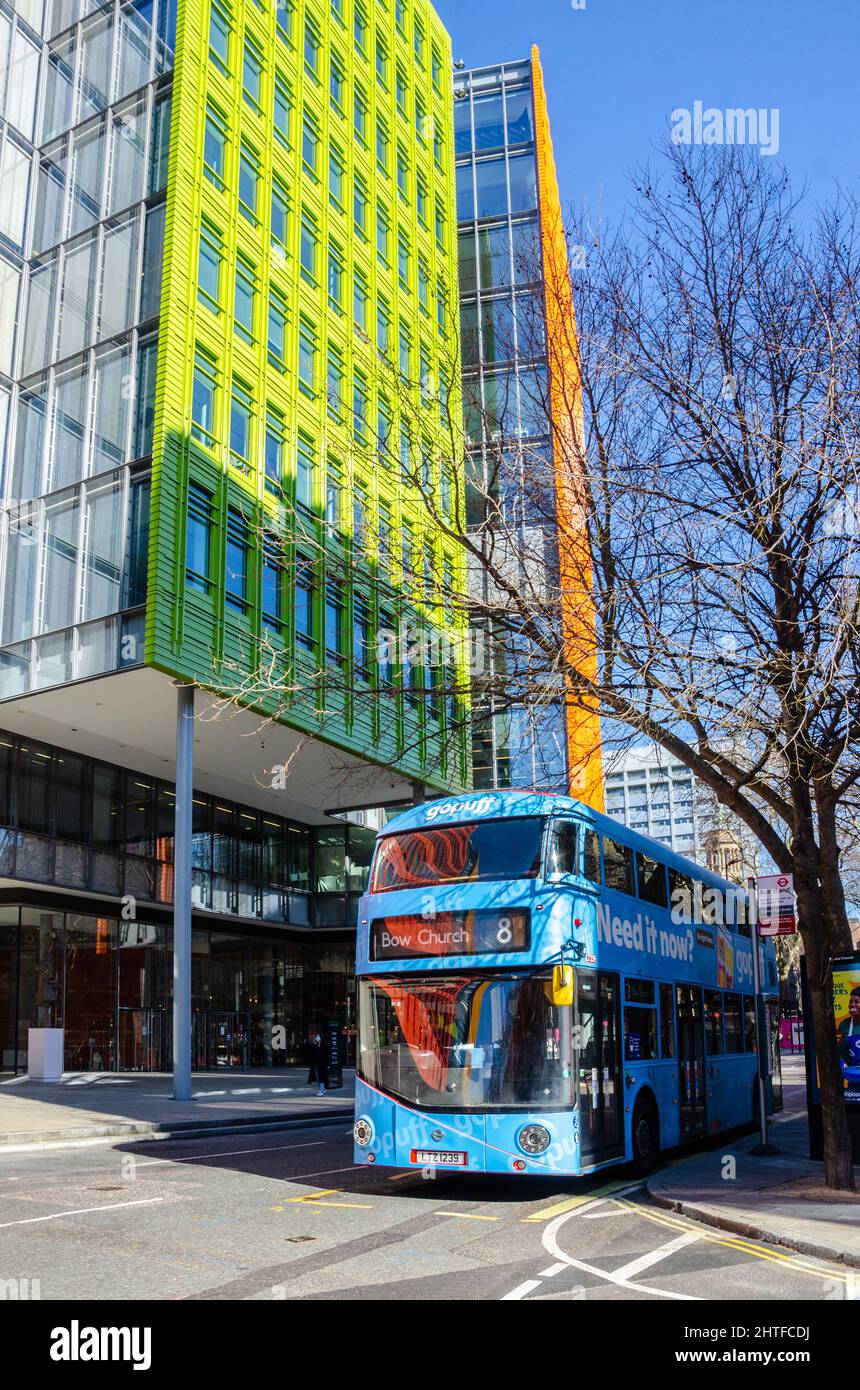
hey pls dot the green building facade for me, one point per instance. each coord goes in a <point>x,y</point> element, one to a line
<point>310,275</point>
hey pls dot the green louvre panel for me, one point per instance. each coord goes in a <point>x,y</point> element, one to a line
<point>310,216</point>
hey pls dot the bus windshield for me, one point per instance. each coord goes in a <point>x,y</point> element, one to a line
<point>455,853</point>
<point>463,1042</point>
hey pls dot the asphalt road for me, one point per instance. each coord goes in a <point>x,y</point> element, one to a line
<point>288,1216</point>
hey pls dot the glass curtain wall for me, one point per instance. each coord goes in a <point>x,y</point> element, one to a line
<point>505,382</point>
<point>108,983</point>
<point>84,135</point>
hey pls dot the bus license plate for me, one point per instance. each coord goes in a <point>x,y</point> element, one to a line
<point>445,1158</point>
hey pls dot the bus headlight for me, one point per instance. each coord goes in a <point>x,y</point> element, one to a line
<point>534,1139</point>
<point>362,1132</point>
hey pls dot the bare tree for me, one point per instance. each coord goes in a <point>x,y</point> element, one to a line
<point>671,539</point>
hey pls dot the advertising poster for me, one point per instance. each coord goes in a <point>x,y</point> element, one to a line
<point>846,1008</point>
<point>725,961</point>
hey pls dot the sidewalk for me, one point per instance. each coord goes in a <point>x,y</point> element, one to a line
<point>782,1199</point>
<point>85,1106</point>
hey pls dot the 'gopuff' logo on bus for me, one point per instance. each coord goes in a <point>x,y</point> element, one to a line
<point>478,807</point>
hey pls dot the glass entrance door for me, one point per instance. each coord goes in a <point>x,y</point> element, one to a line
<point>8,985</point>
<point>141,1040</point>
<point>691,1061</point>
<point>598,1054</point>
<point>228,1040</point>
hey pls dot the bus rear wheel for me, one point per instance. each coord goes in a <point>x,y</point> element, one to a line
<point>645,1136</point>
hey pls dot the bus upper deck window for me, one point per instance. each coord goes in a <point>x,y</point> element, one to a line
<point>591,858</point>
<point>562,849</point>
<point>652,880</point>
<point>618,866</point>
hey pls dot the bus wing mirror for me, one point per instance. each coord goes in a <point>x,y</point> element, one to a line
<point>562,986</point>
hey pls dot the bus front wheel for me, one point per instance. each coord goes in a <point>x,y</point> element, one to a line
<point>645,1136</point>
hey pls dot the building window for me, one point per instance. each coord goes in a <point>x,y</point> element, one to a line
<point>361,295</point>
<point>383,231</point>
<point>360,202</point>
<point>219,35</point>
<point>272,588</point>
<point>334,624</point>
<point>360,117</point>
<point>336,271</point>
<point>274,453</point>
<point>337,82</point>
<point>203,400</point>
<point>209,267</point>
<point>403,261</point>
<point>249,180</point>
<point>307,358</point>
<point>382,144</point>
<point>236,561</point>
<point>403,174</point>
<point>305,474</point>
<point>305,604</point>
<point>335,176</point>
<point>283,111</point>
<point>359,410</point>
<point>277,329</point>
<point>280,218</point>
<point>359,29</point>
<point>214,147</point>
<point>361,643</point>
<point>245,300</point>
<point>312,49</point>
<point>241,414</point>
<point>381,62</point>
<point>252,74</point>
<point>198,539</point>
<point>308,249</point>
<point>333,495</point>
<point>310,145</point>
<point>334,384</point>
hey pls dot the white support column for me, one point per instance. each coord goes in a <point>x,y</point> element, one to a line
<point>182,893</point>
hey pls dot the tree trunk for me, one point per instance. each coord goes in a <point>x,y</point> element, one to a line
<point>820,948</point>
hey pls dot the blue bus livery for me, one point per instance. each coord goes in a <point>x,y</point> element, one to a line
<point>542,990</point>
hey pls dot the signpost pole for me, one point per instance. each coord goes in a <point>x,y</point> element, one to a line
<point>764,1149</point>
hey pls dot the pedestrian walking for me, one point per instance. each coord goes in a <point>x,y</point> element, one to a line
<point>316,1057</point>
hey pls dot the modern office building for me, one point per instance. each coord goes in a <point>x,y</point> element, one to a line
<point>655,794</point>
<point>521,399</point>
<point>227,257</point>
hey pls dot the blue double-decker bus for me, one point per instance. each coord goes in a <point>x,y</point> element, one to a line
<point>542,990</point>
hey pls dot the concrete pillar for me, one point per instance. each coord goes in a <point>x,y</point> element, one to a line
<point>182,893</point>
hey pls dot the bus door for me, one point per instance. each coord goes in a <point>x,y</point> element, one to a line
<point>691,1061</point>
<point>598,1061</point>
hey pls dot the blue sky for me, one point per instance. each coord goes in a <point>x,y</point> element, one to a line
<point>617,68</point>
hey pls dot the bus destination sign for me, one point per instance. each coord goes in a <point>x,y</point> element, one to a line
<point>449,934</point>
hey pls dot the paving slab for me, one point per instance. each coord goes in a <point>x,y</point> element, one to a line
<point>95,1105</point>
<point>780,1199</point>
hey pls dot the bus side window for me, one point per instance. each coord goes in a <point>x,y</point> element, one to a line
<point>667,1021</point>
<point>618,866</point>
<point>714,1022</point>
<point>734,1023</point>
<point>562,849</point>
<point>591,866</point>
<point>652,880</point>
<point>681,897</point>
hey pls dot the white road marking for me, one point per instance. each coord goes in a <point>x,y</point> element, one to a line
<point>229,1153</point>
<point>654,1257</point>
<point>553,1269</point>
<point>602,1215</point>
<point>550,1244</point>
<point>521,1290</point>
<point>82,1211</point>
